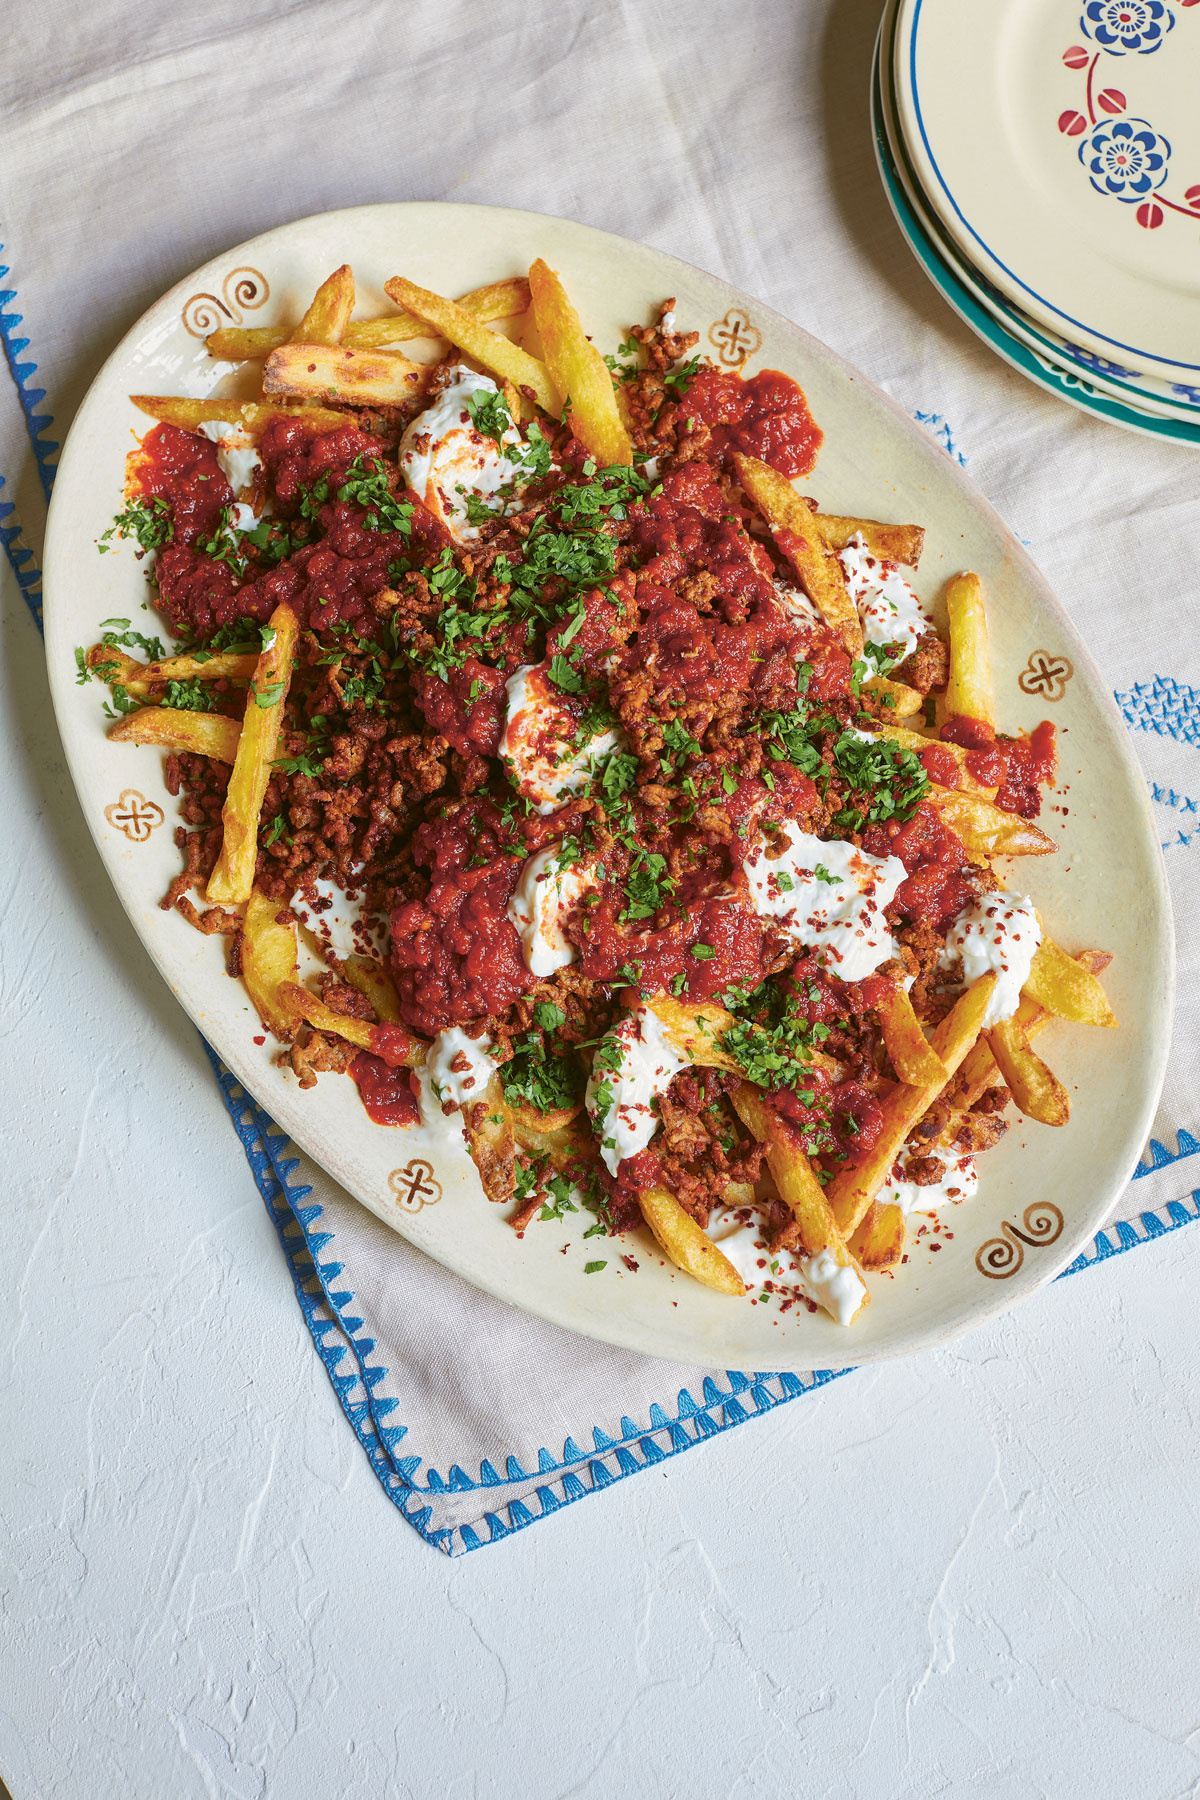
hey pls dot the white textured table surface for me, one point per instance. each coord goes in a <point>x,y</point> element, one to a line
<point>977,1572</point>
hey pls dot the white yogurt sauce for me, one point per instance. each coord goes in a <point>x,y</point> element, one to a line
<point>1001,932</point>
<point>619,1100</point>
<point>442,452</point>
<point>237,457</point>
<point>838,912</point>
<point>460,1085</point>
<point>341,927</point>
<point>838,1287</point>
<point>795,602</point>
<point>959,1180</point>
<point>539,906</point>
<point>539,746</point>
<point>887,606</point>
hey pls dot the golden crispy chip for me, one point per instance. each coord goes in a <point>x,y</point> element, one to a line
<point>113,666</point>
<point>798,1187</point>
<point>969,688</point>
<point>337,372</point>
<point>696,1031</point>
<point>497,354</point>
<point>985,829</point>
<point>372,979</point>
<point>852,1191</point>
<point>326,320</point>
<point>1035,1088</point>
<point>578,371</point>
<point>686,1245</point>
<point>488,1125</point>
<point>269,960</point>
<point>913,1057</point>
<point>251,415</point>
<point>792,527</point>
<point>979,1072</point>
<point>897,699</point>
<point>233,877</point>
<point>203,734</point>
<point>879,1241</point>
<point>397,1047</point>
<point>498,300</point>
<point>891,543</point>
<point>1066,988</point>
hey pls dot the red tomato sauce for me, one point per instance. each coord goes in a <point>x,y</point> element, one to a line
<point>767,417</point>
<point>388,1095</point>
<point>938,884</point>
<point>456,955</point>
<point>1016,767</point>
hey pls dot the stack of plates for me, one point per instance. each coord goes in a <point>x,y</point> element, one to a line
<point>1042,158</point>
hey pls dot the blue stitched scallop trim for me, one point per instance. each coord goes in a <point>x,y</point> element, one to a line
<point>21,558</point>
<point>36,423</point>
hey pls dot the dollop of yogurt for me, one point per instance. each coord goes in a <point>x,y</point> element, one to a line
<point>445,459</point>
<point>459,1067</point>
<point>997,932</point>
<point>958,1181</point>
<point>828,897</point>
<point>634,1064</point>
<point>539,745</point>
<point>838,1287</point>
<point>888,608</point>
<point>237,458</point>
<point>548,889</point>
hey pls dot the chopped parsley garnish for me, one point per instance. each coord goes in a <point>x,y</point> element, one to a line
<point>116,632</point>
<point>680,380</point>
<point>188,696</point>
<point>548,1016</point>
<point>593,1268</point>
<point>531,1077</point>
<point>150,522</point>
<point>703,952</point>
<point>489,414</point>
<point>369,489</point>
<point>564,676</point>
<point>890,778</point>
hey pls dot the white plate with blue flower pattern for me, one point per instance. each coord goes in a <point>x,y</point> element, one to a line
<point>1058,142</point>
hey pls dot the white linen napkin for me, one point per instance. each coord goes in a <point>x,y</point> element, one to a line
<point>135,145</point>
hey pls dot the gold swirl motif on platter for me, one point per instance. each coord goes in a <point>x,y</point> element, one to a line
<point>1002,1256</point>
<point>243,290</point>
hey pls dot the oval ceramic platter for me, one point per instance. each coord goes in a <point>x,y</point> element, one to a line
<point>1043,1193</point>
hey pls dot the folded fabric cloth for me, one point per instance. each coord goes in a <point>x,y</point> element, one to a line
<point>134,149</point>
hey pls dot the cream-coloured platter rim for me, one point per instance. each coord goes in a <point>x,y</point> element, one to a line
<point>1043,1195</point>
<point>1056,249</point>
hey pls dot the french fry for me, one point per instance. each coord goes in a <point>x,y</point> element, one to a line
<point>497,354</point>
<point>879,1241</point>
<point>1065,987</point>
<point>913,1057</point>
<point>898,700</point>
<point>969,688</point>
<point>792,526</point>
<point>337,372</point>
<point>891,543</point>
<point>498,300</point>
<point>269,960</point>
<point>112,665</point>
<point>851,1193</point>
<point>985,829</point>
<point>252,415</point>
<point>696,1032</point>
<point>203,734</point>
<point>233,877</point>
<point>916,741</point>
<point>372,979</point>
<point>533,1126</point>
<point>798,1187</point>
<point>403,1050</point>
<point>488,1125</point>
<point>578,371</point>
<point>686,1245</point>
<point>1035,1088</point>
<point>978,1071</point>
<point>326,320</point>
